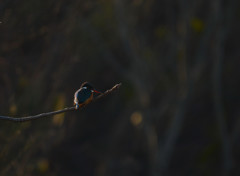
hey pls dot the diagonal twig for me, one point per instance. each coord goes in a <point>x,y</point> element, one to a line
<point>68,109</point>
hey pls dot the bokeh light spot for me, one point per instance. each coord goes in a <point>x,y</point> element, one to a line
<point>43,165</point>
<point>136,118</point>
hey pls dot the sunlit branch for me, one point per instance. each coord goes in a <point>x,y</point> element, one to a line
<point>68,109</point>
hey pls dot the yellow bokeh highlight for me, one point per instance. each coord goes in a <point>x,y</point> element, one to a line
<point>59,118</point>
<point>13,109</point>
<point>197,25</point>
<point>43,165</point>
<point>160,32</point>
<point>136,118</point>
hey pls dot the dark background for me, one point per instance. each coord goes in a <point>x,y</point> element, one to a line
<point>176,113</point>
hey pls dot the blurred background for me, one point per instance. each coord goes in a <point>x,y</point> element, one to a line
<point>176,113</point>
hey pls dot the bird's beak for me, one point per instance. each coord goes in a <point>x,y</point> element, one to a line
<point>97,91</point>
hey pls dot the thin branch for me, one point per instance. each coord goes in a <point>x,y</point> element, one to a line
<point>68,109</point>
<point>108,92</point>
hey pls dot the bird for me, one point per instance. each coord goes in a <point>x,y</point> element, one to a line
<point>84,95</point>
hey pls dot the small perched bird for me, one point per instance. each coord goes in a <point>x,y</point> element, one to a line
<point>84,95</point>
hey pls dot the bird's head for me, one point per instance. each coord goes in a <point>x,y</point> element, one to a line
<point>88,86</point>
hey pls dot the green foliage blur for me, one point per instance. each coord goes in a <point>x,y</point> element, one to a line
<point>176,113</point>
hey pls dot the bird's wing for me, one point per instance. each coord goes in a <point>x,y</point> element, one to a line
<point>82,95</point>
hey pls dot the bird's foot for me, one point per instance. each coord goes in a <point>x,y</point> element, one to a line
<point>77,106</point>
